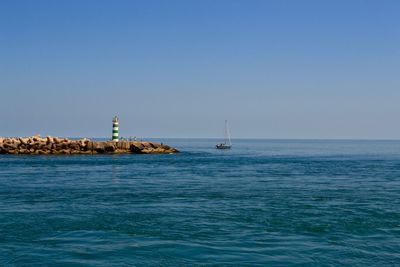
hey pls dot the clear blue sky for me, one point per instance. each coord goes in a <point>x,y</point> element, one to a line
<point>275,69</point>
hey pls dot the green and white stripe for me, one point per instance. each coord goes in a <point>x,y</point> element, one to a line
<point>115,129</point>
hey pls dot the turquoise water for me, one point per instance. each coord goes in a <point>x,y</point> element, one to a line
<point>265,202</point>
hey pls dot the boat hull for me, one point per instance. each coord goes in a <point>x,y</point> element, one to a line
<point>223,146</point>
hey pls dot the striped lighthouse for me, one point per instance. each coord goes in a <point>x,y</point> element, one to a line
<point>115,129</point>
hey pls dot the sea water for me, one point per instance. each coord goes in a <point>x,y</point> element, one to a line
<point>263,203</point>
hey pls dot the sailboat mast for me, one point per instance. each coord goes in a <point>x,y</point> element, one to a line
<point>227,134</point>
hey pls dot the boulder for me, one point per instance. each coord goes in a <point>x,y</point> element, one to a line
<point>3,150</point>
<point>43,146</point>
<point>136,149</point>
<point>24,141</point>
<point>34,146</point>
<point>36,138</point>
<point>74,146</point>
<point>156,145</point>
<point>165,147</point>
<point>123,145</point>
<point>99,147</point>
<point>138,145</point>
<point>64,145</point>
<point>48,147</point>
<point>83,144</point>
<point>147,151</point>
<point>159,150</point>
<point>83,152</point>
<point>23,151</point>
<point>171,151</point>
<point>49,140</point>
<point>148,145</point>
<point>110,147</point>
<point>89,146</point>
<point>43,152</point>
<point>10,146</point>
<point>12,151</point>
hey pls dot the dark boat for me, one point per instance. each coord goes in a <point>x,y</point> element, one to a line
<point>223,146</point>
<point>227,144</point>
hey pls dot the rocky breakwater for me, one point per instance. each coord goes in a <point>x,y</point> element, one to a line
<point>37,145</point>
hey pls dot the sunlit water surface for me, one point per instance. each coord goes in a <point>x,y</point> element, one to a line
<point>265,202</point>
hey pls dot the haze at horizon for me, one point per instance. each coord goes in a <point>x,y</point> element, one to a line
<point>274,69</point>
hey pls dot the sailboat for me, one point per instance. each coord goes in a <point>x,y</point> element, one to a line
<point>227,144</point>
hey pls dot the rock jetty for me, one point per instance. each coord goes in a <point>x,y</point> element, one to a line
<point>37,145</point>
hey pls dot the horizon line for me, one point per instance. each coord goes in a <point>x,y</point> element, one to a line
<point>259,138</point>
